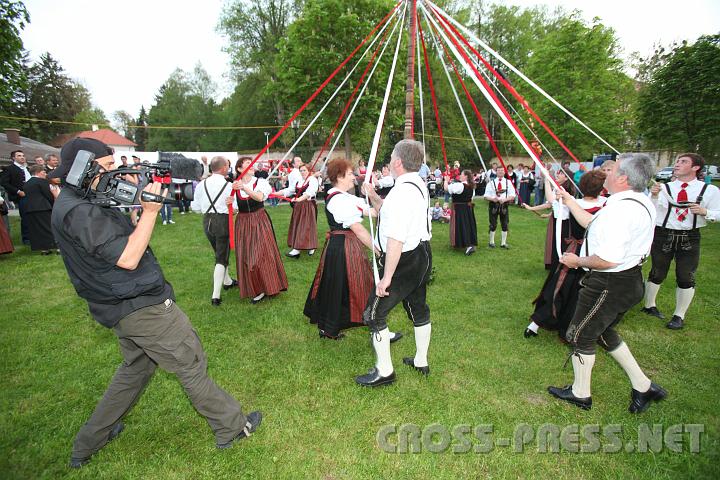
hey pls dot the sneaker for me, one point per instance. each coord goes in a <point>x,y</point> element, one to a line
<point>164,222</point>
<point>252,422</point>
<point>170,221</point>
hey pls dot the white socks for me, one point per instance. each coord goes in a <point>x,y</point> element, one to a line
<point>582,367</point>
<point>294,252</point>
<point>227,280</point>
<point>491,241</point>
<point>651,291</point>
<point>503,238</point>
<point>218,277</point>
<point>381,344</point>
<point>622,355</point>
<point>683,297</point>
<point>311,252</point>
<point>259,297</point>
<point>422,343</point>
<point>533,326</point>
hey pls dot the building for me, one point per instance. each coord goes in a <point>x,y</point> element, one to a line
<point>110,138</point>
<point>11,140</point>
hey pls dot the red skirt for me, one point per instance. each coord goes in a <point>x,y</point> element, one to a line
<point>259,268</point>
<point>6,245</point>
<point>302,234</point>
<point>355,267</point>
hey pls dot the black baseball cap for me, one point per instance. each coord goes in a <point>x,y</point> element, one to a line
<point>71,149</point>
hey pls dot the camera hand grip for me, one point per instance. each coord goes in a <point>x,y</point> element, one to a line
<point>151,197</point>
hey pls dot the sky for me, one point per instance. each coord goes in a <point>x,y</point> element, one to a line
<point>123,51</point>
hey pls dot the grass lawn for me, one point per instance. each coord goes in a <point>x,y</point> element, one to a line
<point>318,424</point>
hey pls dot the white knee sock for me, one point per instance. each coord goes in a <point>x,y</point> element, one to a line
<point>381,344</point>
<point>503,238</point>
<point>533,326</point>
<point>218,276</point>
<point>422,343</point>
<point>683,297</point>
<point>227,280</point>
<point>622,355</point>
<point>492,238</point>
<point>582,367</point>
<point>651,291</point>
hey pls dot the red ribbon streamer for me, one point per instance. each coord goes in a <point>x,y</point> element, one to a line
<point>434,98</point>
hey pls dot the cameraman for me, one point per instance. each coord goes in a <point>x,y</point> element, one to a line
<point>111,266</point>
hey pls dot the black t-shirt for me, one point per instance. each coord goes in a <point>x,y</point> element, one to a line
<point>92,239</point>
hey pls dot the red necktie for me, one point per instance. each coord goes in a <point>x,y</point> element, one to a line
<point>681,198</point>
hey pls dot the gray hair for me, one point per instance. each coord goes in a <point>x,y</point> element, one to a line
<point>50,155</point>
<point>218,163</point>
<point>638,168</point>
<point>410,153</point>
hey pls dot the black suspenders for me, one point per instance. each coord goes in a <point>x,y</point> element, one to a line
<point>212,202</point>
<point>585,242</point>
<point>671,205</point>
<point>377,230</point>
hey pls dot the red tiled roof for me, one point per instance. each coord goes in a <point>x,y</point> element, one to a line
<point>108,137</point>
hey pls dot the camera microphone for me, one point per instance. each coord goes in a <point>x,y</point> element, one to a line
<point>179,166</point>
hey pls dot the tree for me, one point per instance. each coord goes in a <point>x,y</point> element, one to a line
<point>679,106</point>
<point>13,18</point>
<point>124,123</point>
<point>579,65</point>
<point>93,116</point>
<point>254,28</point>
<point>141,132</point>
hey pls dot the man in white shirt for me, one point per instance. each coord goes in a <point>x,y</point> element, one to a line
<point>618,239</point>
<point>403,239</point>
<point>683,207</point>
<point>210,199</point>
<point>500,193</point>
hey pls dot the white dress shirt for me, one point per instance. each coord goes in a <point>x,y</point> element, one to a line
<point>311,191</point>
<point>507,187</point>
<point>622,231</point>
<point>456,188</point>
<point>260,185</point>
<point>385,182</point>
<point>404,215</point>
<point>346,208</point>
<point>294,178</point>
<point>201,202</point>
<point>710,201</point>
<point>24,169</point>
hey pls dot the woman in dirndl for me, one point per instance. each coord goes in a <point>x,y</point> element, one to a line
<point>259,267</point>
<point>302,233</point>
<point>343,281</point>
<point>556,302</point>
<point>463,227</point>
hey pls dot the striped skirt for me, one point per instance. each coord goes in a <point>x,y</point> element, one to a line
<point>259,267</point>
<point>6,245</point>
<point>302,234</point>
<point>342,284</point>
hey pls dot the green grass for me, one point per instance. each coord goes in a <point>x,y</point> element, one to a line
<point>57,362</point>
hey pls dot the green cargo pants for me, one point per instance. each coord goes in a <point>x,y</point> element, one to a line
<point>159,335</point>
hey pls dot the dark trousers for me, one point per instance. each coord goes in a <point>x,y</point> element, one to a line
<point>602,302</point>
<point>159,335</point>
<point>496,210</point>
<point>684,247</point>
<point>24,230</point>
<point>408,285</point>
<point>217,231</point>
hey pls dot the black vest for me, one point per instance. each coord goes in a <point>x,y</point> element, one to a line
<point>330,219</point>
<point>111,292</point>
<point>464,197</point>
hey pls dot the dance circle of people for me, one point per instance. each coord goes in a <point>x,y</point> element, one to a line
<point>605,236</point>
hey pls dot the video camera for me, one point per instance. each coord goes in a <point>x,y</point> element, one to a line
<point>113,190</point>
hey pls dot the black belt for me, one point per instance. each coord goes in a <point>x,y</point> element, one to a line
<point>672,230</point>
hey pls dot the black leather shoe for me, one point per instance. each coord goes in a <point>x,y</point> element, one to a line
<point>114,433</point>
<point>253,421</point>
<point>639,402</point>
<point>469,251</point>
<point>396,337</point>
<point>255,302</point>
<point>410,362</point>
<point>215,302</point>
<point>506,246</point>
<point>293,256</point>
<point>491,245</point>
<point>675,323</point>
<point>232,285</point>
<point>566,394</point>
<point>374,379</point>
<point>339,336</point>
<point>529,333</point>
<point>653,311</point>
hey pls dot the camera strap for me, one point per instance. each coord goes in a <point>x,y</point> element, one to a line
<point>212,202</point>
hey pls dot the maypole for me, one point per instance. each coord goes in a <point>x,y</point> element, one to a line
<point>410,82</point>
